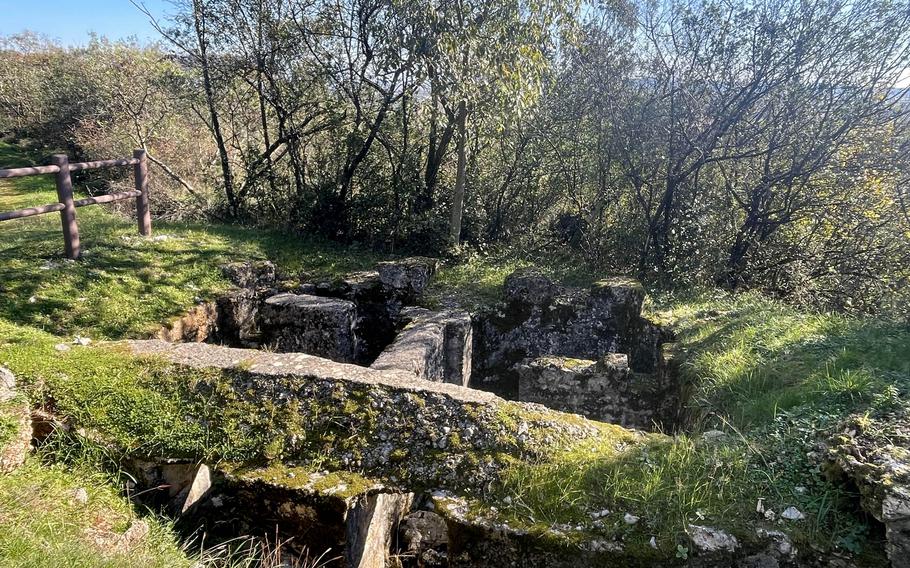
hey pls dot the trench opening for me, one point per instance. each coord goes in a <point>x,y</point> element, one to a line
<point>587,351</point>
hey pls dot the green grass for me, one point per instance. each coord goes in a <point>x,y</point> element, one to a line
<point>753,358</point>
<point>45,525</point>
<point>124,286</point>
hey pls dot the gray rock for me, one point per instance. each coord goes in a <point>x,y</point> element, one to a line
<point>435,346</point>
<point>528,286</point>
<point>80,495</point>
<point>779,544</point>
<point>310,324</point>
<point>708,540</point>
<point>370,526</point>
<point>252,274</point>
<point>409,276</point>
<point>792,514</point>
<point>422,531</point>
<point>875,456</point>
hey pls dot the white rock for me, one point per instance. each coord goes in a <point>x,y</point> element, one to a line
<point>83,341</point>
<point>770,515</point>
<point>792,514</point>
<point>62,347</point>
<point>708,539</point>
<point>653,542</point>
<point>32,300</point>
<point>630,519</point>
<point>714,436</point>
<point>600,514</point>
<point>80,495</point>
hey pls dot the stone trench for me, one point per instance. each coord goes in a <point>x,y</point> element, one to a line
<point>586,351</point>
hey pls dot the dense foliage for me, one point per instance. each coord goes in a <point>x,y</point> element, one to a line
<point>747,144</point>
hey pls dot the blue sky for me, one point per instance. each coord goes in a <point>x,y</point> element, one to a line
<point>71,21</point>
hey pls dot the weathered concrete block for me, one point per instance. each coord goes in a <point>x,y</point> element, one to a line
<point>603,390</point>
<point>252,274</point>
<point>372,521</point>
<point>539,318</point>
<point>435,346</point>
<point>310,324</point>
<point>408,276</point>
<point>529,286</point>
<point>418,349</point>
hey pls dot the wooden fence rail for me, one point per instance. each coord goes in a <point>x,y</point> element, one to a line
<point>67,205</point>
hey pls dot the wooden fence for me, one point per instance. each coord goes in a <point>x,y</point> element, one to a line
<point>61,166</point>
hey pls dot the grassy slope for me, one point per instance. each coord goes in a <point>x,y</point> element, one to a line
<point>44,524</point>
<point>774,378</point>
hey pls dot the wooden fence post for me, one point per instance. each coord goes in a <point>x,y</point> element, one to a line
<point>68,213</point>
<point>142,186</point>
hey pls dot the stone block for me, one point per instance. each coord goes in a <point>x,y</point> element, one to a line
<point>419,348</point>
<point>604,390</point>
<point>310,324</point>
<point>409,277</point>
<point>372,522</point>
<point>435,346</point>
<point>252,274</point>
<point>530,287</point>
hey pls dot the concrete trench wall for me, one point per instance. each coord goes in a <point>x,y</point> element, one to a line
<point>581,350</point>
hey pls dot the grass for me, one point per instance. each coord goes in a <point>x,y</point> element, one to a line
<point>753,359</point>
<point>45,524</point>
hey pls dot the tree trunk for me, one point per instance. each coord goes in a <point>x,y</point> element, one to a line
<point>458,195</point>
<point>199,24</point>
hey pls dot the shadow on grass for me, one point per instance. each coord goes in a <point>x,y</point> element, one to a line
<point>761,358</point>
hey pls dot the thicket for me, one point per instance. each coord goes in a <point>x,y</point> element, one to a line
<point>735,143</point>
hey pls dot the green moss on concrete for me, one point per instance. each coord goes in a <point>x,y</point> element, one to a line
<point>342,484</point>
